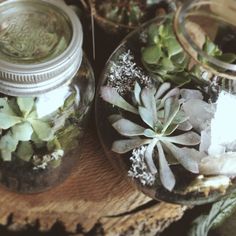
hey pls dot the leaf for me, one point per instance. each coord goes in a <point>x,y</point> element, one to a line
<point>25,151</point>
<point>180,118</point>
<point>170,129</point>
<point>167,64</point>
<point>219,212</point>
<point>185,126</point>
<point>22,131</point>
<point>113,118</point>
<point>227,57</point>
<point>123,146</point>
<point>171,109</point>
<point>128,128</point>
<point>162,89</point>
<point>25,104</point>
<point>166,175</point>
<point>149,102</point>
<point>149,156</point>
<point>172,93</point>
<point>188,139</point>
<point>5,107</point>
<point>149,133</point>
<point>8,142</point>
<point>146,116</point>
<point>42,129</point>
<point>153,34</point>
<point>111,96</point>
<point>7,121</point>
<point>173,47</point>
<point>151,54</point>
<point>6,155</point>
<point>188,158</point>
<point>137,93</point>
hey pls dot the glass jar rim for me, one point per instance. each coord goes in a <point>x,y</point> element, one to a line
<point>192,48</point>
<point>33,79</point>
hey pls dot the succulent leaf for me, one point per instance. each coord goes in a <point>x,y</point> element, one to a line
<point>149,156</point>
<point>114,118</point>
<point>25,104</point>
<point>111,96</point>
<point>25,151</point>
<point>22,131</point>
<point>5,108</point>
<point>171,108</point>
<point>8,121</point>
<point>149,133</point>
<point>128,128</point>
<point>8,142</point>
<point>137,93</point>
<point>124,146</point>
<point>149,102</point>
<point>173,47</point>
<point>166,175</point>
<point>188,158</point>
<point>146,116</point>
<point>42,129</point>
<point>6,155</point>
<point>189,139</point>
<point>162,90</point>
<point>151,54</point>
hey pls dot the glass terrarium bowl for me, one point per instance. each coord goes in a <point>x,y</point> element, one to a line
<point>121,16</point>
<point>165,101</point>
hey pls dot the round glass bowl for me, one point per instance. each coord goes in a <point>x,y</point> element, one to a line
<point>165,116</point>
<point>46,90</point>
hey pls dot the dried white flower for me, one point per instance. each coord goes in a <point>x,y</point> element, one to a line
<point>42,162</point>
<point>124,73</point>
<point>139,169</point>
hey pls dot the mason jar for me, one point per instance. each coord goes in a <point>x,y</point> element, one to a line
<point>46,91</point>
<point>166,104</point>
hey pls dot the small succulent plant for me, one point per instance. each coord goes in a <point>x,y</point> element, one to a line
<point>19,125</point>
<point>159,116</point>
<point>33,134</point>
<point>165,58</point>
<point>163,55</point>
<point>126,12</point>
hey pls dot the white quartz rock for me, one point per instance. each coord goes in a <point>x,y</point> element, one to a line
<point>199,112</point>
<point>223,125</point>
<point>224,164</point>
<point>205,140</point>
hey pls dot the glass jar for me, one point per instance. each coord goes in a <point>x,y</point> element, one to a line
<point>46,91</point>
<point>122,16</point>
<point>165,109</point>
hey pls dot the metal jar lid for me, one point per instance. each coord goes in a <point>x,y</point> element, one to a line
<point>40,46</point>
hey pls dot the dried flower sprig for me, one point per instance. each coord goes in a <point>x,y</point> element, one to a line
<point>161,114</point>
<point>125,72</point>
<point>139,169</point>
